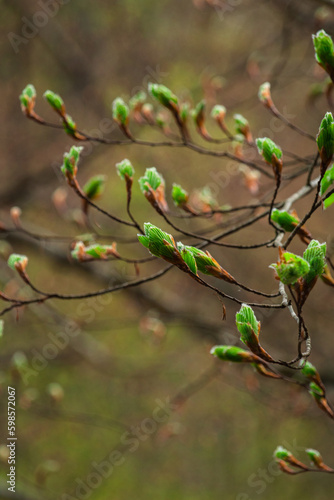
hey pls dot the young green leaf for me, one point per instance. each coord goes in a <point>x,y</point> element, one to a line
<point>94,187</point>
<point>179,195</point>
<point>120,111</point>
<point>325,139</point>
<point>55,101</point>
<point>151,179</point>
<point>124,168</point>
<point>17,261</point>
<point>285,220</point>
<point>290,268</point>
<point>247,323</point>
<point>315,255</point>
<point>268,149</point>
<point>232,353</point>
<point>164,95</point>
<point>71,159</point>
<point>324,50</point>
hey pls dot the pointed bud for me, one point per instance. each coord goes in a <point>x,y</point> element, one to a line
<point>317,460</point>
<point>285,220</point>
<point>120,111</point>
<point>27,99</point>
<point>206,264</point>
<point>70,165</point>
<point>55,102</point>
<point>327,180</point>
<point>315,255</point>
<point>94,187</point>
<point>152,184</point>
<point>247,324</point>
<point>271,153</point>
<point>179,195</point>
<point>324,51</point>
<point>125,168</point>
<point>325,140</point>
<point>265,95</point>
<point>164,96</point>
<point>242,127</point>
<point>232,353</point>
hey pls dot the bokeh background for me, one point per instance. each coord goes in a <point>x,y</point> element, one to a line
<point>145,345</point>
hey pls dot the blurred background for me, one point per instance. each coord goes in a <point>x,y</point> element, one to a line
<point>96,377</point>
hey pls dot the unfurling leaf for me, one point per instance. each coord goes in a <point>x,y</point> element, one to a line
<point>94,187</point>
<point>125,168</point>
<point>232,353</point>
<point>179,195</point>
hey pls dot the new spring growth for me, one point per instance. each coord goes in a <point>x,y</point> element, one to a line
<point>310,372</point>
<point>120,113</point>
<point>70,164</point>
<point>249,329</point>
<point>271,153</point>
<point>18,262</point>
<point>315,255</point>
<point>319,396</point>
<point>83,253</point>
<point>136,103</point>
<point>94,187</point>
<point>28,99</point>
<point>289,222</point>
<point>198,115</point>
<point>161,244</point>
<point>290,268</point>
<point>164,96</point>
<point>317,460</point>
<point>55,102</point>
<point>125,169</point>
<point>218,113</point>
<point>232,353</point>
<point>264,95</point>
<point>152,185</point>
<point>206,264</point>
<point>324,51</point>
<point>283,455</point>
<point>325,141</point>
<point>242,127</point>
<point>326,182</point>
<point>180,196</point>
<point>184,112</point>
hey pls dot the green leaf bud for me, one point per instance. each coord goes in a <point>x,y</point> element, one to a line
<point>179,195</point>
<point>188,257</point>
<point>309,370</point>
<point>28,97</point>
<point>120,111</point>
<point>17,262</point>
<point>315,255</point>
<point>158,242</point>
<point>94,187</point>
<point>231,353</point>
<point>184,111</point>
<point>290,268</point>
<point>198,113</point>
<point>247,323</point>
<point>69,125</point>
<point>267,148</point>
<point>316,391</point>
<point>55,101</point>
<point>218,112</point>
<point>265,95</point>
<point>71,159</point>
<point>324,50</point>
<point>329,201</point>
<point>325,139</point>
<point>285,220</point>
<point>163,95</point>
<point>124,168</point>
<point>151,179</point>
<point>282,453</point>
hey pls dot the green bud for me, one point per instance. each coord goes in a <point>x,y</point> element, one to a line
<point>325,138</point>
<point>198,112</point>
<point>28,96</point>
<point>152,179</point>
<point>264,93</point>
<point>188,257</point>
<point>138,99</point>
<point>231,353</point>
<point>290,268</point>
<point>247,323</point>
<point>315,390</point>
<point>204,262</point>
<point>163,94</point>
<point>95,251</point>
<point>54,100</point>
<point>315,255</point>
<point>309,370</point>
<point>124,168</point>
<point>285,220</point>
<point>179,195</point>
<point>241,124</point>
<point>327,180</point>
<point>17,261</point>
<point>282,453</point>
<point>158,242</point>
<point>69,125</point>
<point>71,159</point>
<point>218,112</point>
<point>324,50</point>
<point>120,111</point>
<point>267,148</point>
<point>184,111</point>
<point>94,187</point>
<point>314,456</point>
